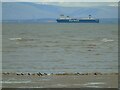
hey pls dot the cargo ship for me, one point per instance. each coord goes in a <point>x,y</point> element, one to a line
<point>67,19</point>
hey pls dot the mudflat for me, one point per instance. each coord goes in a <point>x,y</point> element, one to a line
<point>93,80</point>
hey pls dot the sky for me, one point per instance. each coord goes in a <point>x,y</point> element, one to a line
<point>59,0</point>
<point>67,2</point>
<point>77,4</point>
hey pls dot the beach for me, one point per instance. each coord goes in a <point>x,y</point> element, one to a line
<point>65,80</point>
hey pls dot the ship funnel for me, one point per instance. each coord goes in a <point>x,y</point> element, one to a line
<point>89,16</point>
<point>68,17</point>
<point>62,16</point>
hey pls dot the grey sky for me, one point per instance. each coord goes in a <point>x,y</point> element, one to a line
<point>61,0</point>
<point>69,3</point>
<point>82,4</point>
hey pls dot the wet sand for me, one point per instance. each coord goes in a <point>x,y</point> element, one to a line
<point>65,80</point>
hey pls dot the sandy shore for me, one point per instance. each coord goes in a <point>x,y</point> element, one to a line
<point>65,80</point>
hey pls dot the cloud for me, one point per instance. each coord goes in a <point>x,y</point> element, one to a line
<point>86,4</point>
<point>113,5</point>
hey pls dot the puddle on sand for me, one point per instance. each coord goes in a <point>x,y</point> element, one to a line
<point>94,84</point>
<point>10,82</point>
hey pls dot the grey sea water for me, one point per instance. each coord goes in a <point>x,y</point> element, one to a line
<point>55,48</point>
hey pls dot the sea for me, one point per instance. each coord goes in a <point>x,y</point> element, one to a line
<point>60,47</point>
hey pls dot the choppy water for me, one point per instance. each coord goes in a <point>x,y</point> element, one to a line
<point>53,47</point>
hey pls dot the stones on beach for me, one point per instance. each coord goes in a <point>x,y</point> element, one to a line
<point>64,74</point>
<point>95,73</point>
<point>77,73</point>
<point>86,73</point>
<point>82,74</point>
<point>45,73</point>
<point>17,74</point>
<point>28,73</point>
<point>39,74</point>
<point>22,73</point>
<point>6,73</point>
<point>33,74</point>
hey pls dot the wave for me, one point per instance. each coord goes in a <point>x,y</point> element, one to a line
<point>107,40</point>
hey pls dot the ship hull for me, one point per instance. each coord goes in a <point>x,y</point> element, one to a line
<point>77,20</point>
